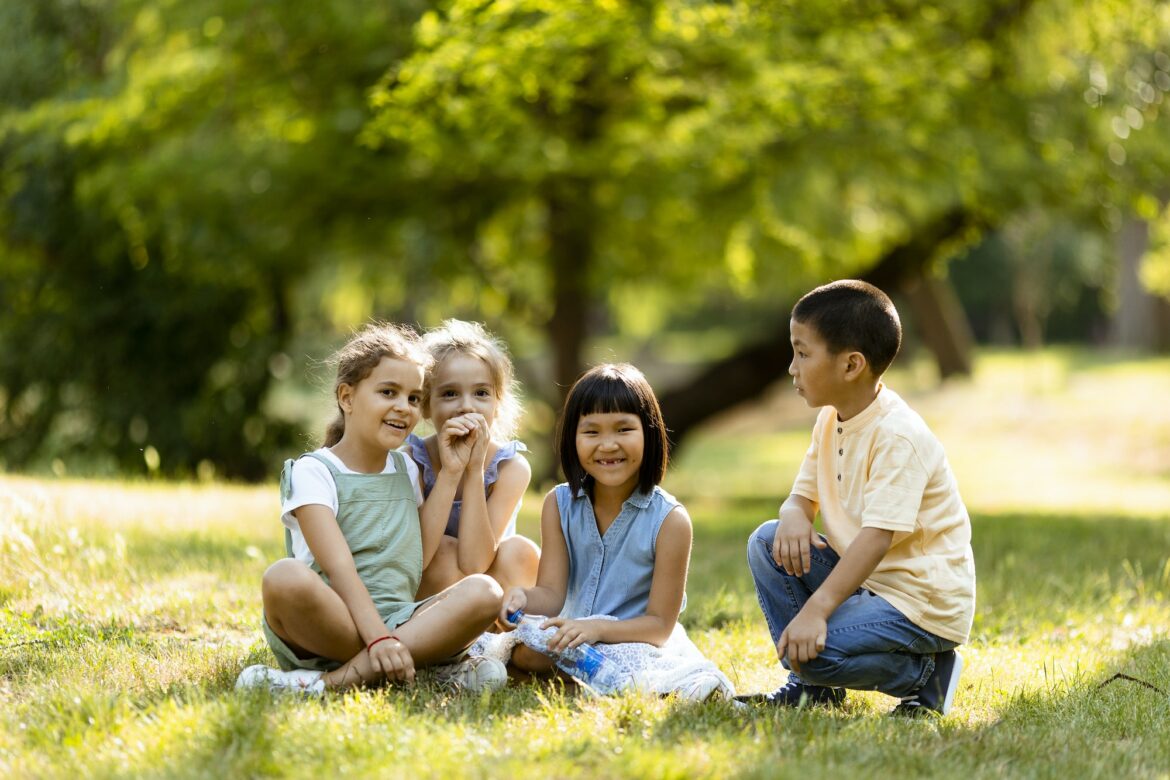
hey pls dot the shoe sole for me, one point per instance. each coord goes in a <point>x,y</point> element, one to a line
<point>952,686</point>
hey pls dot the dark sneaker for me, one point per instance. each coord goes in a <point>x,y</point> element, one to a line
<point>936,697</point>
<point>794,694</point>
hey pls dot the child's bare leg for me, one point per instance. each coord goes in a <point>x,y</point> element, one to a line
<point>528,660</point>
<point>443,570</point>
<point>517,560</point>
<point>452,620</point>
<point>436,631</point>
<point>306,613</point>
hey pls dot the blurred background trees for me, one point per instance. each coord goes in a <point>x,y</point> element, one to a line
<point>198,195</point>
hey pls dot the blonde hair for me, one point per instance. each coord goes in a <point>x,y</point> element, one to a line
<point>361,355</point>
<point>471,338</point>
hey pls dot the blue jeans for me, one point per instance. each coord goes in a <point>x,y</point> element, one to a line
<point>870,646</point>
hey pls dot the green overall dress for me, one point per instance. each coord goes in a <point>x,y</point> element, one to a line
<point>378,515</point>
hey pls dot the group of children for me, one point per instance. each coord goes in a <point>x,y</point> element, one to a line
<point>402,552</point>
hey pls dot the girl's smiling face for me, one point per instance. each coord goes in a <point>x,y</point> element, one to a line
<point>382,409</point>
<point>610,446</point>
<point>462,384</point>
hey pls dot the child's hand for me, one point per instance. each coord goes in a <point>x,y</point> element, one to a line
<point>392,658</point>
<point>795,537</point>
<point>572,633</point>
<point>514,599</point>
<point>802,640</point>
<point>482,437</point>
<point>456,442</point>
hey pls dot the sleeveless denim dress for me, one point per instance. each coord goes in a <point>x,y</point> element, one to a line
<point>378,516</point>
<point>611,574</point>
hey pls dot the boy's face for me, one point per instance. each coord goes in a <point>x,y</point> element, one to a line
<point>817,373</point>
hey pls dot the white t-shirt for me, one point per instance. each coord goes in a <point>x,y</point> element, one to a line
<point>312,483</point>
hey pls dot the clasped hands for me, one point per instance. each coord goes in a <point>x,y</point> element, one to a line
<point>463,442</point>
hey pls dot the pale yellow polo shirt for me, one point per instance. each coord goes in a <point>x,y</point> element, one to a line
<point>885,469</point>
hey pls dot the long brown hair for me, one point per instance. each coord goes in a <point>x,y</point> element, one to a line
<point>362,353</point>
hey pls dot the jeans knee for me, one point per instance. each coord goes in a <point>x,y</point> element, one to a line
<point>759,550</point>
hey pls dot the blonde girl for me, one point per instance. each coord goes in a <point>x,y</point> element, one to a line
<point>471,391</point>
<point>341,609</point>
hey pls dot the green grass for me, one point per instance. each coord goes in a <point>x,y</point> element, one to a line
<point>127,609</point>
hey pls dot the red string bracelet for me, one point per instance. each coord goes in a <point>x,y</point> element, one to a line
<point>381,639</point>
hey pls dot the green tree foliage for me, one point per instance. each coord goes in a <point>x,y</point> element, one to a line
<point>168,175</point>
<point>190,187</point>
<point>753,147</point>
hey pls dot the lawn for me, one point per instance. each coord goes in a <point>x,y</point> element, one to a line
<point>128,608</point>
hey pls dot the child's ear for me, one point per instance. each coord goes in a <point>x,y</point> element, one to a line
<point>855,365</point>
<point>345,397</point>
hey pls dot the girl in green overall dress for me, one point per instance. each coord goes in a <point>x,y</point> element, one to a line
<point>340,611</point>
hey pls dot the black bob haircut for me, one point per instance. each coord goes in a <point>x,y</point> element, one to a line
<point>613,388</point>
<point>853,315</point>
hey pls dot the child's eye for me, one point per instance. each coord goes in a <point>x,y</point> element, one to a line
<point>482,393</point>
<point>387,392</point>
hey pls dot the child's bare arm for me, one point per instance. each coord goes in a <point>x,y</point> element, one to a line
<point>672,556</point>
<point>514,476</point>
<point>804,637</point>
<point>331,552</point>
<point>552,578</point>
<point>477,541</point>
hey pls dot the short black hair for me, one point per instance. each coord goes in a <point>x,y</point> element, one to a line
<point>850,314</point>
<point>606,389</point>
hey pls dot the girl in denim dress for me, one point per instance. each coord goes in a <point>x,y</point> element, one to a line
<point>615,547</point>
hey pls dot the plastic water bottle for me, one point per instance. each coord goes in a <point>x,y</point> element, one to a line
<point>586,664</point>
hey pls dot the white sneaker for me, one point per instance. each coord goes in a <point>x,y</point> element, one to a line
<point>474,674</point>
<point>303,681</point>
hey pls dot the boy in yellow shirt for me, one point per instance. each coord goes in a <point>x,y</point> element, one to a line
<point>881,600</point>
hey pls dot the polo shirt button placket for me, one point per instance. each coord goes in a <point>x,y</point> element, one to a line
<point>840,454</point>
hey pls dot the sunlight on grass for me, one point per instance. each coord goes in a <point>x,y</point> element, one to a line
<point>127,609</point>
<point>1058,430</point>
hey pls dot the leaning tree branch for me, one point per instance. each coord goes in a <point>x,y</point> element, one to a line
<point>747,373</point>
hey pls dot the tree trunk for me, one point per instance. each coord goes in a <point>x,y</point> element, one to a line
<point>1136,323</point>
<point>940,322</point>
<point>570,255</point>
<point>747,373</point>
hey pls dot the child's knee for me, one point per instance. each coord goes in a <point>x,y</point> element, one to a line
<point>759,550</point>
<point>483,594</point>
<point>287,580</point>
<point>519,555</point>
